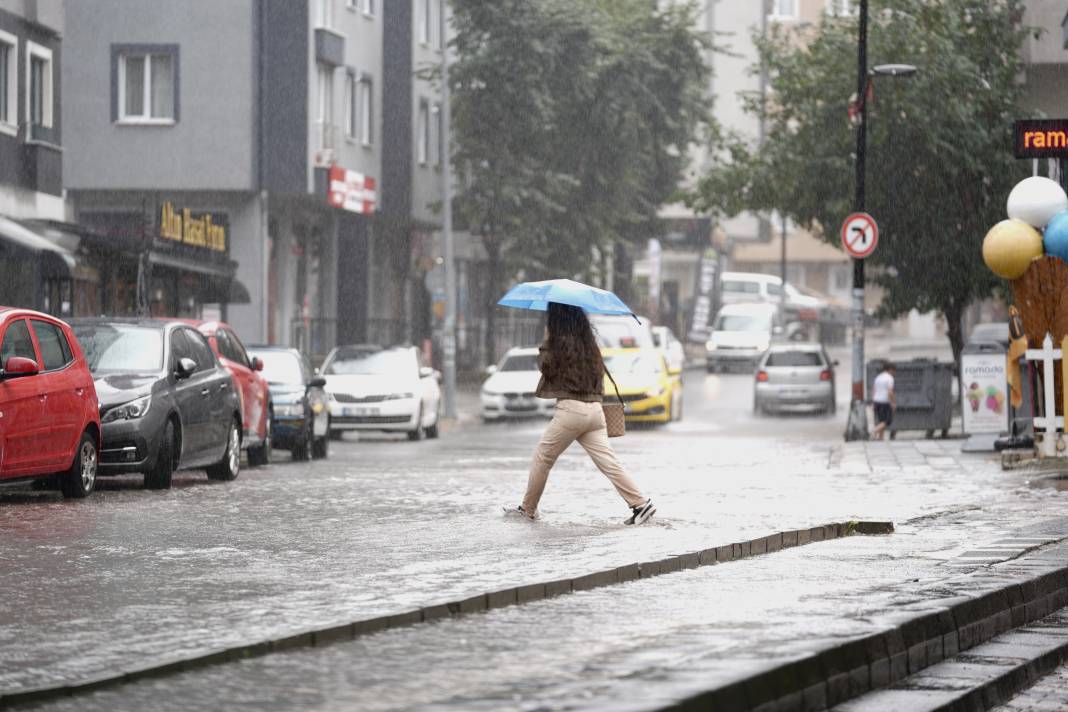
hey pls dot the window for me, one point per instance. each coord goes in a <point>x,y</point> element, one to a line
<point>38,85</point>
<point>352,110</point>
<point>435,135</point>
<point>424,20</point>
<point>324,13</point>
<point>17,342</point>
<point>841,8</point>
<point>146,79</point>
<point>237,352</point>
<point>368,7</point>
<point>784,9</point>
<point>422,132</point>
<point>55,351</point>
<point>365,101</point>
<point>794,359</point>
<point>325,105</point>
<point>194,347</point>
<point>9,81</point>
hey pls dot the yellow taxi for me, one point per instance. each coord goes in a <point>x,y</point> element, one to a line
<point>650,394</point>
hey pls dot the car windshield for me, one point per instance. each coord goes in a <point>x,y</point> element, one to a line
<point>365,362</point>
<point>121,348</point>
<point>794,359</point>
<point>621,332</point>
<point>526,362</point>
<point>281,368</point>
<point>633,365</point>
<point>743,322</point>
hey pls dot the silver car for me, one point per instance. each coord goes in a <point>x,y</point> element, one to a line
<point>794,375</point>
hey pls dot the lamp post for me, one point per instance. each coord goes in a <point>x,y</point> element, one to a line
<point>449,331</point>
<point>857,425</point>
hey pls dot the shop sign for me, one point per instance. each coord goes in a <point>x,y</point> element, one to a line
<point>983,380</point>
<point>351,191</point>
<point>189,228</point>
<point>1040,138</point>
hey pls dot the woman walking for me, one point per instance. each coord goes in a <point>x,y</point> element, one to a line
<point>572,372</point>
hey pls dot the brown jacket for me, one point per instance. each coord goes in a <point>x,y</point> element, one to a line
<point>569,381</point>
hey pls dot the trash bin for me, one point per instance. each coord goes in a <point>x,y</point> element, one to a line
<point>924,391</point>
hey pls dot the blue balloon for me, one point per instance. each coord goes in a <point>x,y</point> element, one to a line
<point>1055,236</point>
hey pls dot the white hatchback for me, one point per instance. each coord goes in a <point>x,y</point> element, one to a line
<point>509,390</point>
<point>386,389</point>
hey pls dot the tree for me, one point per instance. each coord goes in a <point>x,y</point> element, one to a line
<point>940,162</point>
<point>571,120</point>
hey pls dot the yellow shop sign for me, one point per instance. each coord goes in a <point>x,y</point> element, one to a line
<point>189,228</point>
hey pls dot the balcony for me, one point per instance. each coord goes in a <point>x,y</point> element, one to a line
<point>329,47</point>
<point>42,159</point>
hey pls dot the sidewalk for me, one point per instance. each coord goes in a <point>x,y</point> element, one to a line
<point>289,563</point>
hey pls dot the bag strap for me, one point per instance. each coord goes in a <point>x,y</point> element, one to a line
<point>609,374</point>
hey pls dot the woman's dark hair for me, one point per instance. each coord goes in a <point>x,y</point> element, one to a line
<point>573,352</point>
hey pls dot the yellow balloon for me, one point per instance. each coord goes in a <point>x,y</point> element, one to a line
<point>1010,246</point>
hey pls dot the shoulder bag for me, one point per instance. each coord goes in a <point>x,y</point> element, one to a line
<point>614,412</point>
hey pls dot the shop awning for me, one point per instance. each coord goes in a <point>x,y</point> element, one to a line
<point>57,260</point>
<point>219,282</point>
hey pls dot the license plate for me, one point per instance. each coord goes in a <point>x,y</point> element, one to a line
<point>360,411</point>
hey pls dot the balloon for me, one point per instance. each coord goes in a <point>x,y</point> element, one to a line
<point>1035,200</point>
<point>1009,248</point>
<point>1055,238</point>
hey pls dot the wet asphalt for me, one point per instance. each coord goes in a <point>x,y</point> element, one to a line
<point>132,576</point>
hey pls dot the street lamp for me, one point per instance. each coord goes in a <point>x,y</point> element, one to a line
<point>857,425</point>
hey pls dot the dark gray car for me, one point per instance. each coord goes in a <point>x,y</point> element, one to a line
<point>166,403</point>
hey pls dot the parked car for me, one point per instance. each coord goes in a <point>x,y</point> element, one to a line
<point>649,393</point>
<point>252,389</point>
<point>791,375</point>
<point>741,333</point>
<point>301,414</point>
<point>385,389</point>
<point>166,402</point>
<point>622,332</point>
<point>509,390</point>
<point>749,287</point>
<point>49,415</point>
<point>672,349</point>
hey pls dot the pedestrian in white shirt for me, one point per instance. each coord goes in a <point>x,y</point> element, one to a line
<point>882,395</point>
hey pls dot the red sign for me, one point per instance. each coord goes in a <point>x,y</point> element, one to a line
<point>860,235</point>
<point>351,191</point>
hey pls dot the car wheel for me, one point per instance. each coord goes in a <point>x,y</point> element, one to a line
<point>260,455</point>
<point>229,466</point>
<point>80,479</point>
<point>159,477</point>
<point>418,433</point>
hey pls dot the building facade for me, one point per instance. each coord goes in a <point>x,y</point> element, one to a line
<point>234,146</point>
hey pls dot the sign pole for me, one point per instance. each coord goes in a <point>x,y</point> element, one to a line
<point>857,425</point>
<point>449,336</point>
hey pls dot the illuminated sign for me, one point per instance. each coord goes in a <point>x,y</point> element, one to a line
<point>189,228</point>
<point>1040,138</point>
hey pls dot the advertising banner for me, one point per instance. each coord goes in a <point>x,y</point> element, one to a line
<point>985,402</point>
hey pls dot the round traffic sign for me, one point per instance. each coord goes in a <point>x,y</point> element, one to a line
<point>860,235</point>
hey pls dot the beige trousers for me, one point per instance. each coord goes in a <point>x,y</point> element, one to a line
<point>576,420</point>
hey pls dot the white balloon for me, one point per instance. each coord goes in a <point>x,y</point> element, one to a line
<point>1035,200</point>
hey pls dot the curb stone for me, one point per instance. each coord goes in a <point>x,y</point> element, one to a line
<point>478,603</point>
<point>919,639</point>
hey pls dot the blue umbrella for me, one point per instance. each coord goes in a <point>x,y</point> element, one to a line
<point>537,295</point>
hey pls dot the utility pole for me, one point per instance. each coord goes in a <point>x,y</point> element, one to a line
<point>782,269</point>
<point>449,337</point>
<point>857,426</point>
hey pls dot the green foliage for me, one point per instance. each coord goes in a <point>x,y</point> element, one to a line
<point>939,162</point>
<point>571,120</point>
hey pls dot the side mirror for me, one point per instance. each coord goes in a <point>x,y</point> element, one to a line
<point>490,370</point>
<point>317,382</point>
<point>186,368</point>
<point>17,367</point>
<point>257,363</point>
<point>426,372</point>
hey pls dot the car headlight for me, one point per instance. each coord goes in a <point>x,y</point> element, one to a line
<point>289,410</point>
<point>710,345</point>
<point>399,396</point>
<point>488,392</point>
<point>128,411</point>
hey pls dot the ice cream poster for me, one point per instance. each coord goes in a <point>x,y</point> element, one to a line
<point>985,402</point>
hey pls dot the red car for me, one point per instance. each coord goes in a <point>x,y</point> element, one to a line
<point>49,415</point>
<point>251,387</point>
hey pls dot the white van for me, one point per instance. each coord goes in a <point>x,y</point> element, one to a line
<point>741,333</point>
<point>749,287</point>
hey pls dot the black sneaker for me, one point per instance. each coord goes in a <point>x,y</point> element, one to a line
<point>642,513</point>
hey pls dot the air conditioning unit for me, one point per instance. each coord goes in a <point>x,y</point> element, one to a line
<point>324,158</point>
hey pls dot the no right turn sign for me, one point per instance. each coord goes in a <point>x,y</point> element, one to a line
<point>860,235</point>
